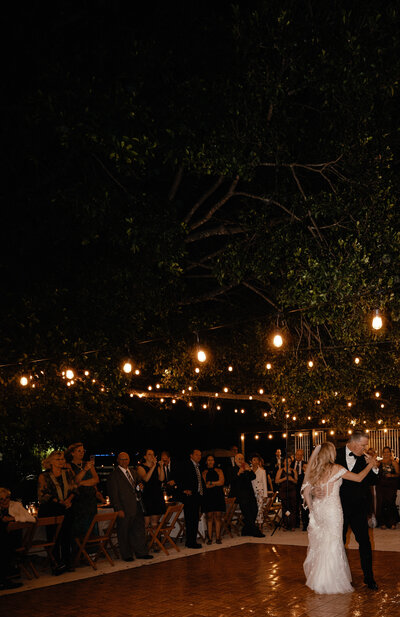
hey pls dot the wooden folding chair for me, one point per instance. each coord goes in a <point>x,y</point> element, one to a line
<point>99,541</point>
<point>269,510</point>
<point>162,533</point>
<point>47,545</point>
<point>27,531</point>
<point>237,520</point>
<point>228,515</point>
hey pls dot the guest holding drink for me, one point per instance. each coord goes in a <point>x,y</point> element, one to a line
<point>84,507</point>
<point>151,474</point>
<point>213,499</point>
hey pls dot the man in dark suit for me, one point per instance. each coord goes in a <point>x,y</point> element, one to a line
<point>131,533</point>
<point>355,500</point>
<point>300,466</point>
<point>242,489</point>
<point>170,474</point>
<point>191,485</point>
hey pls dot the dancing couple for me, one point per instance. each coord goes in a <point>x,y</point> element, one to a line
<point>335,490</point>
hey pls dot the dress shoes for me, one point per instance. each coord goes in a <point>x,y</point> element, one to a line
<point>145,556</point>
<point>258,534</point>
<point>129,559</point>
<point>197,545</point>
<point>371,584</point>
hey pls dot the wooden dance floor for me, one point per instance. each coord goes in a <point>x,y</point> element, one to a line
<point>251,580</point>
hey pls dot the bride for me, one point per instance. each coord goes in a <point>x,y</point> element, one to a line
<point>326,566</point>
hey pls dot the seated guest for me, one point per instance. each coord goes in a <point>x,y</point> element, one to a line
<point>214,499</point>
<point>386,490</point>
<point>242,489</point>
<point>56,488</point>
<point>151,474</point>
<point>7,552</point>
<point>260,487</point>
<point>122,483</point>
<point>84,506</point>
<point>286,480</point>
<point>14,509</point>
<point>191,485</point>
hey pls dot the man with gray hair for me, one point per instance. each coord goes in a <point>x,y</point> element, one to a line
<point>355,499</point>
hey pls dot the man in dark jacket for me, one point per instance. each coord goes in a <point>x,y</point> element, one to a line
<point>191,485</point>
<point>242,489</point>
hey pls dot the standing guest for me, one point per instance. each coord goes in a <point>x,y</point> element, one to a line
<point>299,465</point>
<point>214,499</point>
<point>242,489</point>
<point>84,507</point>
<point>152,475</point>
<point>355,500</point>
<point>56,486</point>
<point>170,473</point>
<point>278,461</point>
<point>386,490</point>
<point>286,480</point>
<point>229,465</point>
<point>192,487</point>
<point>260,487</point>
<point>131,532</point>
<point>234,451</point>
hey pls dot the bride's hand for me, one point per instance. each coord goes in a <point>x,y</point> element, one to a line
<point>371,459</point>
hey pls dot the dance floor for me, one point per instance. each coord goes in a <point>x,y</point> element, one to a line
<point>251,579</point>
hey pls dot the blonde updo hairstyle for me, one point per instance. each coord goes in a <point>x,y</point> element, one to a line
<point>322,465</point>
<point>47,462</point>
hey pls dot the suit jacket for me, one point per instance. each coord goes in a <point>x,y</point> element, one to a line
<point>121,492</point>
<point>241,486</point>
<point>300,476</point>
<point>355,492</point>
<point>188,478</point>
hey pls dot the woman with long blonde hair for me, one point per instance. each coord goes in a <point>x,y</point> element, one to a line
<point>326,566</point>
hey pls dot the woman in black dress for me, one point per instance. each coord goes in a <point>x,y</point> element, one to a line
<point>213,499</point>
<point>286,479</point>
<point>84,507</point>
<point>151,474</point>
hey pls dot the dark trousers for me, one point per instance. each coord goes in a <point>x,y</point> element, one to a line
<point>64,545</point>
<point>301,514</point>
<point>356,517</point>
<point>132,535</point>
<point>191,512</point>
<point>249,508</point>
<point>6,551</point>
<point>288,499</point>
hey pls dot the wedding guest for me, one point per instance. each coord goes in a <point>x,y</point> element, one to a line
<point>152,475</point>
<point>14,509</point>
<point>242,489</point>
<point>7,552</point>
<point>214,499</point>
<point>260,487</point>
<point>286,480</point>
<point>84,506</point>
<point>56,491</point>
<point>299,465</point>
<point>192,488</point>
<point>170,474</point>
<point>229,465</point>
<point>131,532</point>
<point>386,490</point>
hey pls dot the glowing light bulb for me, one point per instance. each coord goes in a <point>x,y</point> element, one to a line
<point>380,421</point>
<point>270,436</point>
<point>385,430</point>
<point>265,414</point>
<point>377,322</point>
<point>173,401</point>
<point>357,360</point>
<point>250,398</point>
<point>308,417</point>
<point>216,394</point>
<point>382,405</point>
<point>318,402</point>
<point>190,388</point>
<point>377,394</point>
<point>242,411</point>
<point>149,387</point>
<point>218,407</point>
<point>261,391</point>
<point>284,435</point>
<point>201,355</point>
<point>161,400</point>
<point>283,400</point>
<point>197,370</point>
<point>268,366</point>
<point>190,404</point>
<point>137,372</point>
<point>23,381</point>
<point>349,431</point>
<point>158,386</point>
<point>310,364</point>
<point>69,374</point>
<point>331,432</point>
<point>323,421</point>
<point>278,340</point>
<point>230,369</point>
<point>131,395</point>
<point>294,418</point>
<point>86,373</point>
<point>349,404</point>
<point>225,389</point>
<point>204,406</point>
<point>256,436</point>
<point>127,368</point>
<point>236,410</point>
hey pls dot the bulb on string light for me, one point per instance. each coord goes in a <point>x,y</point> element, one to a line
<point>256,436</point>
<point>268,366</point>
<point>380,421</point>
<point>310,364</point>
<point>201,355</point>
<point>357,360</point>
<point>250,398</point>
<point>149,387</point>
<point>230,369</point>
<point>127,368</point>
<point>349,431</point>
<point>204,406</point>
<point>23,381</point>
<point>158,386</point>
<point>190,404</point>
<point>265,414</point>
<point>284,435</point>
<point>190,388</point>
<point>197,370</point>
<point>308,417</point>
<point>69,374</point>
<point>86,373</point>
<point>218,407</point>
<point>331,432</point>
<point>318,402</point>
<point>377,322</point>
<point>385,430</point>
<point>137,372</point>
<point>216,394</point>
<point>261,391</point>
<point>173,401</point>
<point>236,410</point>
<point>377,394</point>
<point>225,389</point>
<point>270,436</point>
<point>131,395</point>
<point>294,418</point>
<point>382,405</point>
<point>277,341</point>
<point>242,411</point>
<point>323,421</point>
<point>161,400</point>
<point>349,404</point>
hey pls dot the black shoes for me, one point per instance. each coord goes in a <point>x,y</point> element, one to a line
<point>145,556</point>
<point>371,584</point>
<point>197,545</point>
<point>258,534</point>
<point>129,559</point>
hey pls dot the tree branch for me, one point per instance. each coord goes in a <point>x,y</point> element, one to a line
<point>261,294</point>
<point>216,206</point>
<point>221,230</point>
<point>204,197</point>
<point>268,201</point>
<point>207,296</point>
<point>175,184</point>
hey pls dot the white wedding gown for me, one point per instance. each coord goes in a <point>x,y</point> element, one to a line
<point>326,566</point>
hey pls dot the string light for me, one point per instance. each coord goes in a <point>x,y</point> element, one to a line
<point>377,394</point>
<point>173,401</point>
<point>86,373</point>
<point>197,370</point>
<point>265,414</point>
<point>294,418</point>
<point>23,381</point>
<point>218,407</point>
<point>308,417</point>
<point>357,360</point>
<point>158,386</point>
<point>318,402</point>
<point>268,366</point>
<point>270,436</point>
<point>216,394</point>
<point>380,421</point>
<point>331,432</point>
<point>201,355</point>
<point>162,400</point>
<point>204,406</point>
<point>149,387</point>
<point>69,374</point>
<point>277,341</point>
<point>190,388</point>
<point>190,404</point>
<point>310,364</point>
<point>225,389</point>
<point>131,395</point>
<point>242,411</point>
<point>236,410</point>
<point>382,405</point>
<point>127,368</point>
<point>377,322</point>
<point>323,421</point>
<point>349,431</point>
<point>300,434</point>
<point>261,391</point>
<point>284,436</point>
<point>230,369</point>
<point>137,372</point>
<point>250,398</point>
<point>256,436</point>
<point>349,404</point>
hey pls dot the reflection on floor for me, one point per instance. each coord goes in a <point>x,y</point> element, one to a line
<point>251,579</point>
